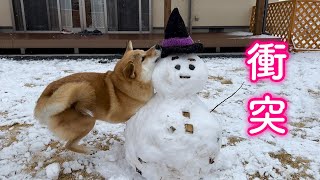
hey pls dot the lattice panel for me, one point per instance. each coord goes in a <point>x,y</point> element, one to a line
<point>306,27</point>
<point>252,19</point>
<point>279,19</point>
<point>304,32</point>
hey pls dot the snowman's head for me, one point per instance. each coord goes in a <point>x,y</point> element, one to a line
<point>180,75</point>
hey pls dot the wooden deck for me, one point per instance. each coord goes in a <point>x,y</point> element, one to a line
<point>40,40</point>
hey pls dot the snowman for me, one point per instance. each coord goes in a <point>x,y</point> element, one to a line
<point>174,136</point>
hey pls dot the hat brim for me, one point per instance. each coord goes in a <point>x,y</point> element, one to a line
<point>194,48</point>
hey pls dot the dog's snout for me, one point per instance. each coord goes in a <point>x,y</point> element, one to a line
<point>158,47</point>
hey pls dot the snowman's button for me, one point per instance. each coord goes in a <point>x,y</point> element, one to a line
<point>211,160</point>
<point>188,128</point>
<point>186,114</point>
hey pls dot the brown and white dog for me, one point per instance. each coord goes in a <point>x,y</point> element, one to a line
<point>71,105</point>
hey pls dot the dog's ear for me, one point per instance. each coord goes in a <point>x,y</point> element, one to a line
<point>128,71</point>
<point>129,46</point>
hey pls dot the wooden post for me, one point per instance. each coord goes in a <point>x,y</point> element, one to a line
<point>293,14</point>
<point>167,12</point>
<point>265,15</point>
<point>258,24</point>
<point>190,16</point>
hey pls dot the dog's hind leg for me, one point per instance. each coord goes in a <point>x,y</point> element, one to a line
<point>86,125</point>
<point>73,145</point>
<point>72,126</point>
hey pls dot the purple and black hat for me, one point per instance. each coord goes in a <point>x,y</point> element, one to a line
<point>177,39</point>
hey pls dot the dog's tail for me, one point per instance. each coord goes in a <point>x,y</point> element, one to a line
<point>78,95</point>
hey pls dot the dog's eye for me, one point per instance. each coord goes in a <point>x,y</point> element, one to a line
<point>143,58</point>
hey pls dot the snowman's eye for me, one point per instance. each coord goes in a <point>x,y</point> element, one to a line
<point>177,67</point>
<point>191,67</point>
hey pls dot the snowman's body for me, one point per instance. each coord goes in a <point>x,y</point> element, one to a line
<point>174,136</point>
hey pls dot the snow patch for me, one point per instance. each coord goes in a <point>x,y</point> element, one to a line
<point>53,170</point>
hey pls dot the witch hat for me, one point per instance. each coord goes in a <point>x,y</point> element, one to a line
<point>177,39</point>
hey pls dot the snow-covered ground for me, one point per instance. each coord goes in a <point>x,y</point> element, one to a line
<point>28,150</point>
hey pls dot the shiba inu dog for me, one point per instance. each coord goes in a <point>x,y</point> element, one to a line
<point>70,106</point>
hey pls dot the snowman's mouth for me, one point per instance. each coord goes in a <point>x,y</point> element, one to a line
<point>185,77</point>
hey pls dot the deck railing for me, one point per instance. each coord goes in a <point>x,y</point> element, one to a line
<point>295,21</point>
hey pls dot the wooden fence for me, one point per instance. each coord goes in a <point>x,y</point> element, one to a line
<point>295,21</point>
